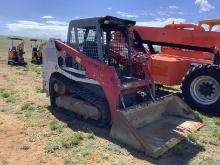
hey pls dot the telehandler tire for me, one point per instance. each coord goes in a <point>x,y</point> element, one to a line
<point>201,88</point>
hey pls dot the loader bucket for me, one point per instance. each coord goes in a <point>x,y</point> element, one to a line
<point>156,127</point>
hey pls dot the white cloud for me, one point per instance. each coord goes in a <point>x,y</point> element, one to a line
<point>57,23</point>
<point>49,29</point>
<point>161,22</point>
<point>77,17</point>
<point>180,13</point>
<point>109,8</point>
<point>124,14</point>
<point>58,29</point>
<point>162,13</point>
<point>47,17</point>
<point>173,7</point>
<point>204,5</point>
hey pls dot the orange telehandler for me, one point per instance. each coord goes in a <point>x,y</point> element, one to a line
<point>189,56</point>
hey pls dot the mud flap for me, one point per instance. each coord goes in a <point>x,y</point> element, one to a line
<point>156,127</point>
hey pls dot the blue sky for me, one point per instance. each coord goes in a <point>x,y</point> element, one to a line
<point>49,18</point>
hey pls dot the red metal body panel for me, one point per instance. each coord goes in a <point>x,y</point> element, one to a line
<point>106,76</point>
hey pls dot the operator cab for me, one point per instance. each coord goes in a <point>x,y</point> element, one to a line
<point>104,39</point>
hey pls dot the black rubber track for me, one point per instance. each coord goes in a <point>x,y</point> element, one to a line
<point>85,95</point>
<point>200,70</point>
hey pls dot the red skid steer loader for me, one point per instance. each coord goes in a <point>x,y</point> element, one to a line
<point>98,75</point>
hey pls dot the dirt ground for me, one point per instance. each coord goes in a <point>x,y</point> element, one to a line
<point>12,139</point>
<point>15,147</point>
<point>32,133</point>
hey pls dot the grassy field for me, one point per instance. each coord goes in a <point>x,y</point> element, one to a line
<point>33,133</point>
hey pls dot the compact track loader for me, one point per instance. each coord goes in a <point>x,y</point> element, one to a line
<point>15,53</point>
<point>98,75</point>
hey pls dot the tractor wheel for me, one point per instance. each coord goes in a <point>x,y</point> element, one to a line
<point>201,87</point>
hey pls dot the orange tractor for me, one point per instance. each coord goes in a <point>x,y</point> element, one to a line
<point>15,53</point>
<point>189,56</point>
<point>37,51</point>
<point>36,56</point>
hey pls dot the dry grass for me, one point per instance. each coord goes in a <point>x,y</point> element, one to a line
<point>79,143</point>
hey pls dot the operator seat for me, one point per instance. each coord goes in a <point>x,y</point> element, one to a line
<point>13,48</point>
<point>34,49</point>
